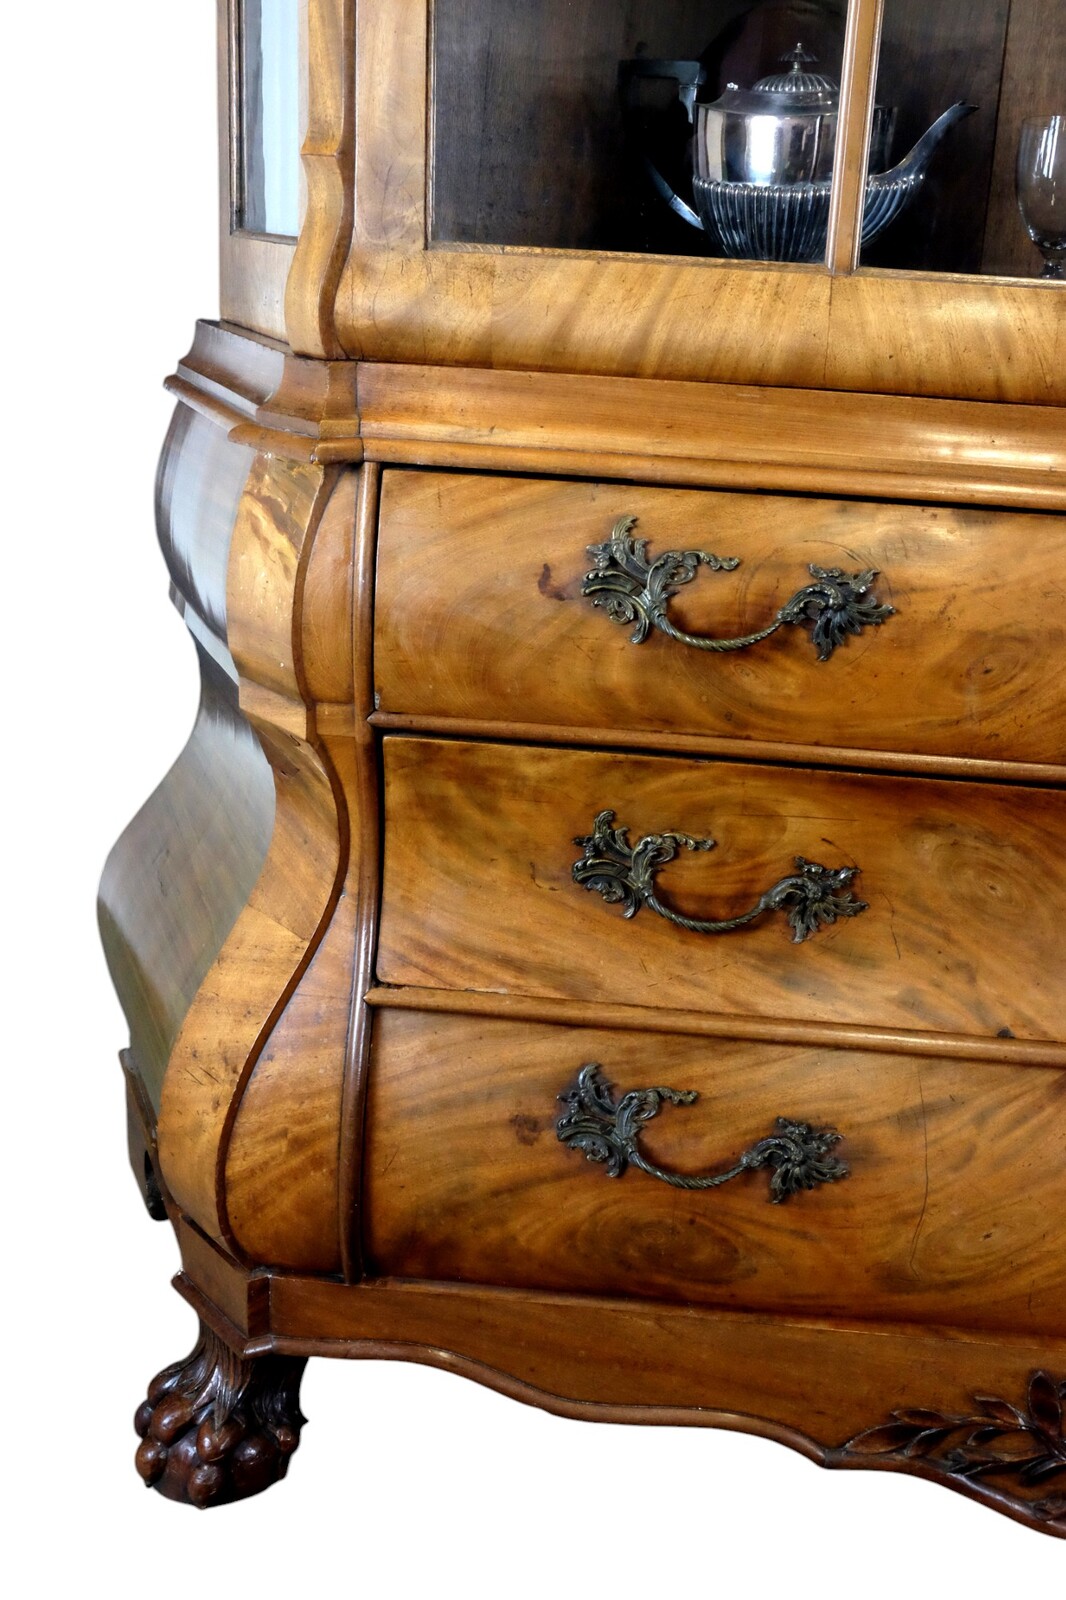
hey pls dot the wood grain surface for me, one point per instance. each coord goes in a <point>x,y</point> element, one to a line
<point>713,435</point>
<point>636,1361</point>
<point>206,828</point>
<point>813,1385</point>
<point>964,883</point>
<point>665,432</point>
<point>718,1025</point>
<point>204,832</point>
<point>957,1175</point>
<point>851,153</point>
<point>808,1384</point>
<point>328,158</point>
<point>519,731</point>
<point>287,913</point>
<point>201,477</point>
<point>392,120</point>
<point>282,1162</point>
<point>481,615</point>
<point>935,335</point>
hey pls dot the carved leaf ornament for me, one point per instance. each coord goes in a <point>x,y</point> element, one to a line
<point>1012,1452</point>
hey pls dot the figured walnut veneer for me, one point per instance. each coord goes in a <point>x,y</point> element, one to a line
<point>963,883</point>
<point>969,665</point>
<point>468,1182</point>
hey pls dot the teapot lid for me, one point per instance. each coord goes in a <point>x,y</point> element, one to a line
<point>792,92</point>
<point>796,81</point>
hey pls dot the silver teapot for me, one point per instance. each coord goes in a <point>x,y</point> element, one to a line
<point>763,159</point>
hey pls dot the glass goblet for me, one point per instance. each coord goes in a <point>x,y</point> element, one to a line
<point>1041,188</point>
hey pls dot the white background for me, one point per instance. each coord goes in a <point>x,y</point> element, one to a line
<point>409,1481</point>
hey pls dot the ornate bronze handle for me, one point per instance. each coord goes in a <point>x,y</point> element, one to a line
<point>635,592</point>
<point>812,896</point>
<point>609,1132</point>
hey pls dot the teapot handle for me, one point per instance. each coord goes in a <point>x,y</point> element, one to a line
<point>688,75</point>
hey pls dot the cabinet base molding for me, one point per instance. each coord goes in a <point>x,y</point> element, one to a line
<point>979,1414</point>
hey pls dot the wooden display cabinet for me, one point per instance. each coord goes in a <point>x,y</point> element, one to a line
<point>428,901</point>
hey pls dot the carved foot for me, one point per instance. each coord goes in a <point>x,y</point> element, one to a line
<point>217,1427</point>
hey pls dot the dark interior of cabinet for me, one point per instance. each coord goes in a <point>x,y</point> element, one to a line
<point>530,147</point>
<point>1007,58</point>
<point>529,144</point>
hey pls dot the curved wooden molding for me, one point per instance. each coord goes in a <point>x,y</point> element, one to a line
<point>1045,1513</point>
<point>328,164</point>
<point>707,1025</point>
<point>709,433</point>
<point>826,1389</point>
<point>681,433</point>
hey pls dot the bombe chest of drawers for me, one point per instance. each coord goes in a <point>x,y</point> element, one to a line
<point>604,933</point>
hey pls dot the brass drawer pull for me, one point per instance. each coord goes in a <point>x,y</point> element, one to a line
<point>609,1131</point>
<point>813,896</point>
<point>636,591</point>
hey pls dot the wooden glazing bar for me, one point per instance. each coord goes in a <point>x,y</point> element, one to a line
<point>861,44</point>
<point>391,114</point>
<point>328,160</point>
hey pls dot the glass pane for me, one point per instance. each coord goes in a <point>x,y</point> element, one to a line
<point>534,146</point>
<point>269,117</point>
<point>1005,58</point>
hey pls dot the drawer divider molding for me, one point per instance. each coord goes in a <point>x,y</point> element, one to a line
<point>648,1019</point>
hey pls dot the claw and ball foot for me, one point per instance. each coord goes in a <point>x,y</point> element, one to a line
<point>218,1427</point>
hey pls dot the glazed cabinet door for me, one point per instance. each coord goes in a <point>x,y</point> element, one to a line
<point>804,192</point>
<point>800,192</point>
<point>264,70</point>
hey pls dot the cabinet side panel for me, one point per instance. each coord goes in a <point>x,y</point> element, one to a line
<point>275,938</point>
<point>176,880</point>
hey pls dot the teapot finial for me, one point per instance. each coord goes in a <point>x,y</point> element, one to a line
<point>798,56</point>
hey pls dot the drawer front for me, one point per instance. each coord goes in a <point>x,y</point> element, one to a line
<point>951,1210</point>
<point>964,883</point>
<point>481,615</point>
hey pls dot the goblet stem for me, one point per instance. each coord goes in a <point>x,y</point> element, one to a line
<point>1053,266</point>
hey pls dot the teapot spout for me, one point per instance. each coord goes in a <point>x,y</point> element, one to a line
<point>913,165</point>
<point>888,192</point>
